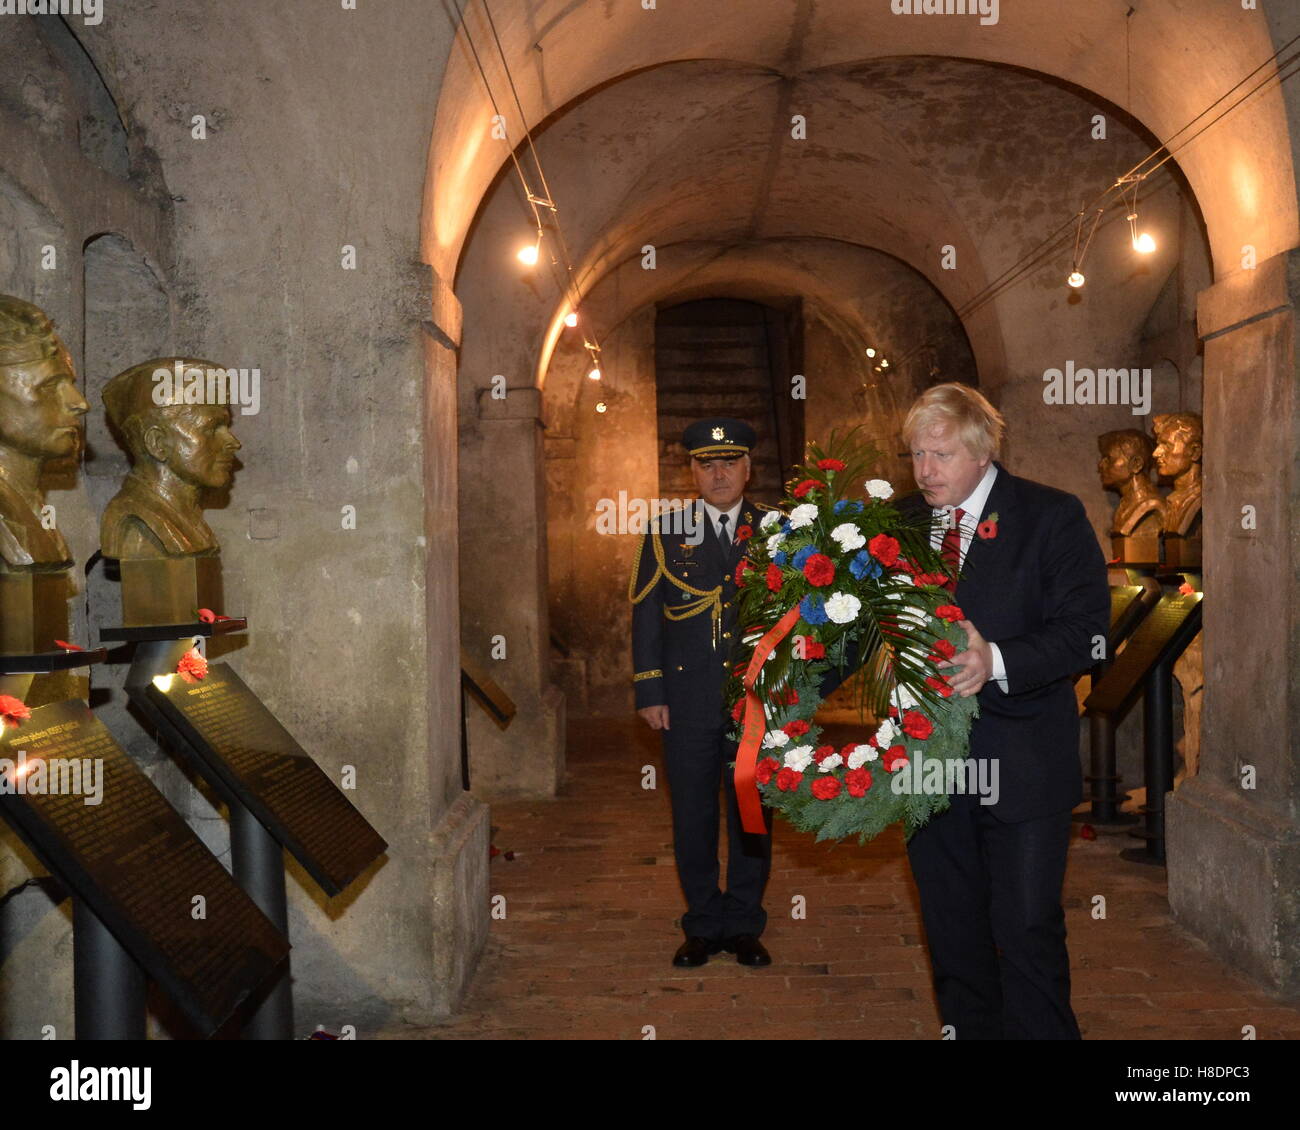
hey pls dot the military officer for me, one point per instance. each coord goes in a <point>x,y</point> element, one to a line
<point>684,618</point>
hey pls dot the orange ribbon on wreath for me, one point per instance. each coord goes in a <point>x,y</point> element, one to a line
<point>755,726</point>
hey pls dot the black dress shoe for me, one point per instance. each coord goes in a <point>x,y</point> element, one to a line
<point>695,951</point>
<point>748,950</point>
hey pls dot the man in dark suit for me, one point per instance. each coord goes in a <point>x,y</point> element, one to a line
<point>683,632</point>
<point>1034,593</point>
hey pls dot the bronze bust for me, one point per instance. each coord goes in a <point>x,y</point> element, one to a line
<point>1125,466</point>
<point>1178,457</point>
<point>180,448</point>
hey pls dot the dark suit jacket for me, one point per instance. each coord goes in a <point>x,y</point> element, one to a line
<point>1039,591</point>
<point>675,660</point>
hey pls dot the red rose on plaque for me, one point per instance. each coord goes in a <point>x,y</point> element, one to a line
<point>797,728</point>
<point>192,666</point>
<point>787,780</point>
<point>858,781</point>
<point>819,569</point>
<point>829,465</point>
<point>884,549</point>
<point>1186,590</point>
<point>917,725</point>
<point>826,788</point>
<point>744,533</point>
<point>813,649</point>
<point>774,577</point>
<point>895,757</point>
<point>764,770</point>
<point>13,710</point>
<point>950,612</point>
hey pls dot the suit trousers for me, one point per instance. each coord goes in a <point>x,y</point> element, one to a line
<point>695,759</point>
<point>991,900</point>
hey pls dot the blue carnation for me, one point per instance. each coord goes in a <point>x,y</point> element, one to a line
<point>801,558</point>
<point>840,506</point>
<point>864,565</point>
<point>858,506</point>
<point>813,609</point>
<point>779,557</point>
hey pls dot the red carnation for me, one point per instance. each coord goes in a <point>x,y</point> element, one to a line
<point>764,770</point>
<point>858,781</point>
<point>13,710</point>
<point>822,752</point>
<point>895,757</point>
<point>1186,590</point>
<point>774,577</point>
<point>946,649</point>
<point>893,711</point>
<point>192,666</point>
<point>804,487</point>
<point>787,780</point>
<point>949,612</point>
<point>884,549</point>
<point>939,685</point>
<point>848,749</point>
<point>826,788</point>
<point>797,728</point>
<point>871,741</point>
<point>743,566</point>
<point>744,533</point>
<point>788,697</point>
<point>917,725</point>
<point>819,569</point>
<point>829,465</point>
<point>738,709</point>
<point>813,649</point>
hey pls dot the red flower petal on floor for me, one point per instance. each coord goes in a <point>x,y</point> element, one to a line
<point>858,781</point>
<point>826,788</point>
<point>819,569</point>
<point>895,757</point>
<point>13,710</point>
<point>829,465</point>
<point>917,725</point>
<point>884,549</point>
<point>765,769</point>
<point>1087,831</point>
<point>804,487</point>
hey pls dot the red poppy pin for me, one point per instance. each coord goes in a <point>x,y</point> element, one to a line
<point>987,530</point>
<point>744,533</point>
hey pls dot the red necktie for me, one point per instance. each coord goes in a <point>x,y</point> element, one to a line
<point>950,550</point>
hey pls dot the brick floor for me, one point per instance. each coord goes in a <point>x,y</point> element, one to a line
<point>592,903</point>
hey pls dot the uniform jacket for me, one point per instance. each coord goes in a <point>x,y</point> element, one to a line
<point>684,618</point>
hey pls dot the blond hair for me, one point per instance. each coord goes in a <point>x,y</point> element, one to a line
<point>978,424</point>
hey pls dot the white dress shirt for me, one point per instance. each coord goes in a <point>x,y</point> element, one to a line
<point>714,514</point>
<point>972,508</point>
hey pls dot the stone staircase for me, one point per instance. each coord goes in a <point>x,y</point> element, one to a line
<point>712,359</point>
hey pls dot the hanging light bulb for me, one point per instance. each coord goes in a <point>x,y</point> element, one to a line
<point>601,406</point>
<point>528,253</point>
<point>1076,278</point>
<point>884,363</point>
<point>594,375</point>
<point>870,352</point>
<point>1144,244</point>
<point>571,319</point>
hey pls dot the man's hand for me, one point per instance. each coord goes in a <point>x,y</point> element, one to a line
<point>656,716</point>
<point>975,664</point>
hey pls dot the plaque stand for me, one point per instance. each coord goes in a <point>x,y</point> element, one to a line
<point>257,859</point>
<point>109,987</point>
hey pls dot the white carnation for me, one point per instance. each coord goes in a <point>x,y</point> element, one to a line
<point>770,519</point>
<point>903,698</point>
<point>774,739</point>
<point>803,515</point>
<point>832,762</point>
<point>774,542</point>
<point>861,755</point>
<point>799,758</point>
<point>843,608</point>
<point>878,488</point>
<point>886,734</point>
<point>849,536</point>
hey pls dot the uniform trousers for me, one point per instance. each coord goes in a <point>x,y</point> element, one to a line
<point>695,759</point>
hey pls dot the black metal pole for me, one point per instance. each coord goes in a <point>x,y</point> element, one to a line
<point>258,866</point>
<point>1157,761</point>
<point>108,986</point>
<point>1102,776</point>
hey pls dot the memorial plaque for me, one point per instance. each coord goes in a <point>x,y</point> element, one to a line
<point>1127,609</point>
<point>1168,628</point>
<point>244,749</point>
<point>99,824</point>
